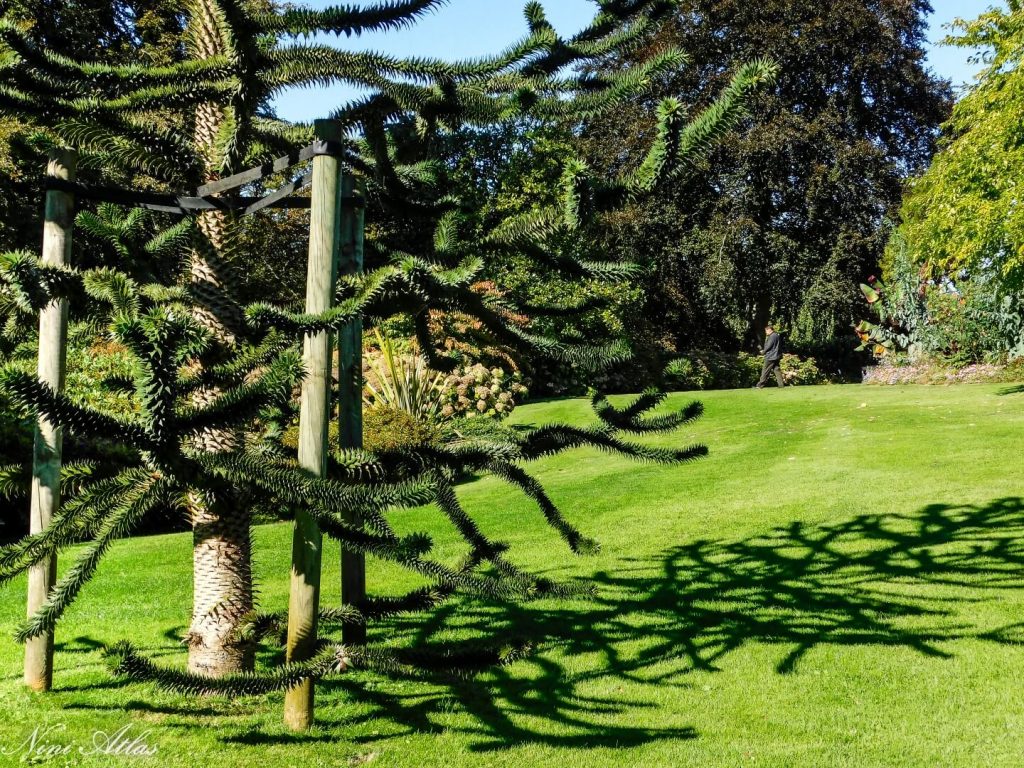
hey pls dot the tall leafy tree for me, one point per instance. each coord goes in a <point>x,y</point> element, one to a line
<point>786,217</point>
<point>962,217</point>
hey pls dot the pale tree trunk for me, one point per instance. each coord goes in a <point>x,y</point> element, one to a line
<point>222,586</point>
<point>221,524</point>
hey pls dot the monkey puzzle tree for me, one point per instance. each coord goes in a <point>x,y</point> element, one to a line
<point>184,125</point>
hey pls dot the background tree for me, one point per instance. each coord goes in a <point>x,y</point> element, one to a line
<point>118,32</point>
<point>784,219</point>
<point>962,217</point>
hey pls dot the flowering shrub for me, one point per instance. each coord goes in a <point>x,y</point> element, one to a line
<point>923,371</point>
<point>466,337</point>
<point>714,370</point>
<point>478,391</point>
<point>799,371</point>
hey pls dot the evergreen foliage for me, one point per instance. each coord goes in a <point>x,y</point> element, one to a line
<point>207,364</point>
<point>168,463</point>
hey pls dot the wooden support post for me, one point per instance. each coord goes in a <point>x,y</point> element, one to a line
<point>46,460</point>
<point>314,420</point>
<point>350,410</point>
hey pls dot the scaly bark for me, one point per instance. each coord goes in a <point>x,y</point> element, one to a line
<point>222,583</point>
<point>222,551</point>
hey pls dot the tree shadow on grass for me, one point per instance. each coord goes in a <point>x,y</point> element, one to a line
<point>602,665</point>
<point>81,644</point>
<point>136,705</point>
<point>507,709</point>
<point>254,737</point>
<point>887,580</point>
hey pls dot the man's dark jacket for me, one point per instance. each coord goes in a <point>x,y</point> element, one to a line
<point>773,348</point>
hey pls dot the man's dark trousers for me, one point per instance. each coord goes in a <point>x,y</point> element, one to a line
<point>772,356</point>
<point>771,366</point>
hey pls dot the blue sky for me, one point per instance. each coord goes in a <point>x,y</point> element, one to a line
<point>468,28</point>
<point>948,61</point>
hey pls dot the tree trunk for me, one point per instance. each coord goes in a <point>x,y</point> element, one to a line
<point>222,586</point>
<point>762,316</point>
<point>221,524</point>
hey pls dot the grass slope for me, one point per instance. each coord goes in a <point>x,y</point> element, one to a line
<point>839,583</point>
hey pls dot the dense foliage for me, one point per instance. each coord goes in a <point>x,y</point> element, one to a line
<point>718,370</point>
<point>957,322</point>
<point>962,217</point>
<point>213,375</point>
<point>785,218</point>
<point>962,233</point>
<point>146,32</point>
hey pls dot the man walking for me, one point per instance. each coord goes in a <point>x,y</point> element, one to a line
<point>772,356</point>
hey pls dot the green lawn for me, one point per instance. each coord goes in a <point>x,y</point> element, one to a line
<point>841,583</point>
